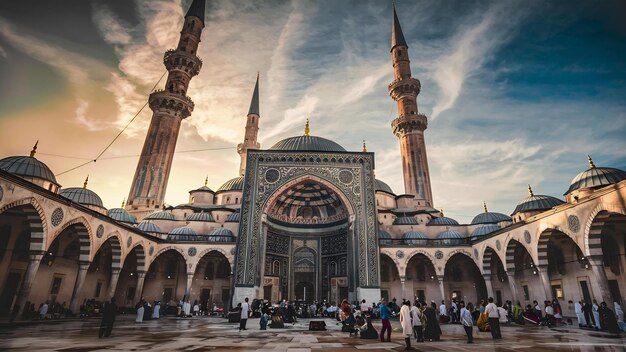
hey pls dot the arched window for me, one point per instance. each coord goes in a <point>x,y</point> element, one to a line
<point>333,269</point>
<point>276,268</point>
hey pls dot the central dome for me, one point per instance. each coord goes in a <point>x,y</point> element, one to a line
<point>308,144</point>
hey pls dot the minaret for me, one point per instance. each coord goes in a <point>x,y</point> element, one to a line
<point>252,129</point>
<point>409,126</point>
<point>170,107</point>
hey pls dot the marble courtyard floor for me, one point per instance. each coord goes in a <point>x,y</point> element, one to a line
<point>215,334</point>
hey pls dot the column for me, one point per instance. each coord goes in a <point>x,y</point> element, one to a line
<point>487,279</point>
<point>600,283</point>
<point>511,277</point>
<point>115,275</point>
<point>141,276</point>
<point>29,277</point>
<point>440,280</point>
<point>545,282</point>
<point>402,282</point>
<point>188,286</point>
<point>78,285</point>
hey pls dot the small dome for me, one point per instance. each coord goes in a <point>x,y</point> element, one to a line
<point>414,238</point>
<point>490,218</point>
<point>202,189</point>
<point>381,186</point>
<point>443,221</point>
<point>235,184</point>
<point>451,237</point>
<point>596,177</point>
<point>234,217</point>
<point>537,203</point>
<point>81,196</point>
<point>27,166</point>
<point>485,230</point>
<point>183,234</point>
<point>160,215</point>
<point>206,217</point>
<point>147,226</point>
<point>384,237</point>
<point>221,234</point>
<point>308,144</point>
<point>405,220</point>
<point>121,215</point>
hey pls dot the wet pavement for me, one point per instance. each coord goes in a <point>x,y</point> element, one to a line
<point>215,334</point>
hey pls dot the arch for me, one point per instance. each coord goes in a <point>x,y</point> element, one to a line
<point>83,230</point>
<point>395,266</point>
<point>487,253</point>
<point>542,245</point>
<point>459,251</point>
<point>140,254</point>
<point>422,252</point>
<point>36,219</point>
<point>511,247</point>
<point>593,230</point>
<point>208,251</point>
<point>116,250</point>
<point>423,257</point>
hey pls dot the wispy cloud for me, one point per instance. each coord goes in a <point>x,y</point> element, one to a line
<point>113,30</point>
<point>3,52</point>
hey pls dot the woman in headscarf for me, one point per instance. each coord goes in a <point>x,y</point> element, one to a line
<point>483,322</point>
<point>432,331</point>
<point>405,322</point>
<point>369,332</point>
<point>609,322</point>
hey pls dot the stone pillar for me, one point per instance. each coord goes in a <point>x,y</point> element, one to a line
<point>440,280</point>
<point>78,285</point>
<point>402,282</point>
<point>514,293</point>
<point>487,279</point>
<point>600,283</point>
<point>141,276</point>
<point>115,275</point>
<point>27,281</point>
<point>545,282</point>
<point>188,286</point>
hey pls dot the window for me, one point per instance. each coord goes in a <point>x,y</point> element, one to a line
<point>557,289</point>
<point>56,285</point>
<point>98,288</point>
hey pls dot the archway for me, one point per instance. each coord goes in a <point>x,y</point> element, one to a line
<point>522,274</point>
<point>421,277</point>
<point>390,284</point>
<point>494,272</point>
<point>131,278</point>
<point>103,272</point>
<point>463,280</point>
<point>211,281</point>
<point>166,278</point>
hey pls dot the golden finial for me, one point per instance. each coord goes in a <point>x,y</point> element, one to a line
<point>206,181</point>
<point>306,126</point>
<point>123,203</point>
<point>32,152</point>
<point>85,183</point>
<point>485,206</point>
<point>364,147</point>
<point>530,191</point>
<point>591,164</point>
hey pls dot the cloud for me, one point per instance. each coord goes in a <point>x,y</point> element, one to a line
<point>82,119</point>
<point>3,52</point>
<point>113,30</point>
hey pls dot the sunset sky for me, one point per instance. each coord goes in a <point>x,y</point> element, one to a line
<point>517,92</point>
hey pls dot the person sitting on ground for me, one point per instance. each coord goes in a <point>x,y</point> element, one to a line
<point>369,332</point>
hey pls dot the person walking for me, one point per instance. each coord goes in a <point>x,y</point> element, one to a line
<point>416,316</point>
<point>108,318</point>
<point>43,310</point>
<point>596,315</point>
<point>384,317</point>
<point>580,316</point>
<point>140,311</point>
<point>467,321</point>
<point>407,326</point>
<point>245,311</point>
<point>432,330</point>
<point>494,319</point>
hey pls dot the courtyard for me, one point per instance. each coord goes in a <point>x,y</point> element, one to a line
<point>215,334</point>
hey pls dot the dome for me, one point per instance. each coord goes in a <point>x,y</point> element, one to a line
<point>121,215</point>
<point>384,237</point>
<point>451,237</point>
<point>443,221</point>
<point>485,230</point>
<point>183,234</point>
<point>414,238</point>
<point>490,218</point>
<point>147,226</point>
<point>537,203</point>
<point>405,220</point>
<point>381,186</point>
<point>307,143</point>
<point>234,217</point>
<point>206,217</point>
<point>202,189</point>
<point>596,177</point>
<point>82,196</point>
<point>27,166</point>
<point>221,234</point>
<point>160,215</point>
<point>235,184</point>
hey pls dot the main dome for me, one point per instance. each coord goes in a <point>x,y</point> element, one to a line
<point>596,177</point>
<point>27,166</point>
<point>308,144</point>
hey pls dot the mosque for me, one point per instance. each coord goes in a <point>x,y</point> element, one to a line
<point>305,219</point>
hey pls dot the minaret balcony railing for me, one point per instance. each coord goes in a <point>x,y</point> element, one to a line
<point>408,123</point>
<point>404,86</point>
<point>183,61</point>
<point>162,99</point>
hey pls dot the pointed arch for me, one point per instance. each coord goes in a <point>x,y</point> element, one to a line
<point>116,249</point>
<point>140,255</point>
<point>83,231</point>
<point>36,219</point>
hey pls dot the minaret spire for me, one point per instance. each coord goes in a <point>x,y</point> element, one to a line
<point>252,129</point>
<point>34,150</point>
<point>409,126</point>
<point>86,181</point>
<point>530,191</point>
<point>170,107</point>
<point>591,164</point>
<point>307,130</point>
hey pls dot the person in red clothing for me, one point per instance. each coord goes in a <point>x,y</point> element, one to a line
<point>384,317</point>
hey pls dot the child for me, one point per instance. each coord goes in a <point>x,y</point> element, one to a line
<point>263,321</point>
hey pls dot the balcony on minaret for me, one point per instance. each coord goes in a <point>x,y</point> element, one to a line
<point>175,103</point>
<point>178,60</point>
<point>404,86</point>
<point>407,123</point>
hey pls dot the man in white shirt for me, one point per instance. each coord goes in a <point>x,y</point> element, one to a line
<point>443,312</point>
<point>416,317</point>
<point>578,308</point>
<point>245,310</point>
<point>364,307</point>
<point>467,321</point>
<point>494,319</point>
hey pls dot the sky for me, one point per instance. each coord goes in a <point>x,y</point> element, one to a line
<point>517,92</point>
